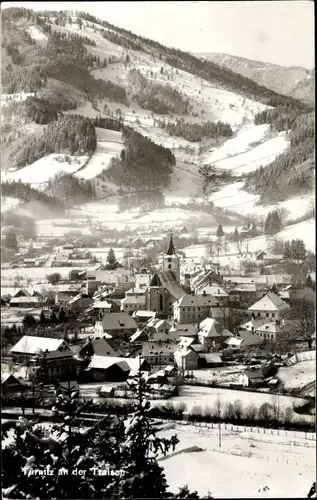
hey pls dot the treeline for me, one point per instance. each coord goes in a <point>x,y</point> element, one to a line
<point>108,123</point>
<point>195,132</point>
<point>21,224</point>
<point>72,134</point>
<point>70,189</point>
<point>148,200</point>
<point>26,193</point>
<point>142,163</point>
<point>291,172</point>
<point>202,68</point>
<point>160,99</point>
<point>280,118</point>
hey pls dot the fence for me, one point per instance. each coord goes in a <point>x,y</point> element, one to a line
<point>310,436</point>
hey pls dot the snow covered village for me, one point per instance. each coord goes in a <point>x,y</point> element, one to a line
<point>158,332</point>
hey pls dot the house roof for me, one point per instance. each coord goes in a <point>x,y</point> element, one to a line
<point>24,300</point>
<point>105,362</point>
<point>249,339</point>
<point>198,348</point>
<point>254,374</point>
<point>195,301</point>
<point>162,323</point>
<point>150,348</point>
<point>131,299</point>
<point>34,345</point>
<point>101,304</point>
<point>254,323</point>
<point>183,353</point>
<point>139,336</point>
<point>24,291</point>
<point>210,327</point>
<point>118,321</point>
<point>211,357</point>
<point>270,302</point>
<point>185,328</point>
<point>101,347</point>
<point>233,341</point>
<point>78,297</point>
<point>185,341</point>
<point>214,290</point>
<point>144,314</point>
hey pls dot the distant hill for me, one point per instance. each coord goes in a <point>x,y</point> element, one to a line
<point>292,81</point>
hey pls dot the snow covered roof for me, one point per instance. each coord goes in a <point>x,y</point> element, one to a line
<point>270,302</point>
<point>162,348</point>
<point>144,314</point>
<point>131,299</point>
<point>210,327</point>
<point>195,301</point>
<point>214,290</point>
<point>33,345</point>
<point>233,341</point>
<point>104,362</point>
<point>101,304</point>
<point>24,300</point>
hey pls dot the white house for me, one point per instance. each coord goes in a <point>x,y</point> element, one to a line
<point>193,308</point>
<point>270,306</point>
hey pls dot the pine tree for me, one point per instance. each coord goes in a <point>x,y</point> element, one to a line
<point>220,231</point>
<point>11,241</point>
<point>236,236</point>
<point>42,318</point>
<point>112,262</point>
<point>53,317</point>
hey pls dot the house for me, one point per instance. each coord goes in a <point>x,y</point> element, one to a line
<point>29,262</point>
<point>255,377</point>
<point>113,369</point>
<point>193,308</point>
<point>63,297</point>
<point>184,329</point>
<point>270,306</point>
<point>142,280</point>
<point>158,353</point>
<point>260,256</point>
<point>79,303</point>
<point>216,291</point>
<point>59,360</point>
<point>142,316</point>
<point>262,327</point>
<point>118,325</point>
<point>158,329</point>
<point>134,300</point>
<point>186,359</point>
<point>10,383</point>
<point>101,307</point>
<point>99,347</point>
<point>28,301</point>
<point>211,333</point>
<point>210,359</point>
<point>248,338</point>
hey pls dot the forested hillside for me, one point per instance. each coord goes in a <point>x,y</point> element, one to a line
<point>142,163</point>
<point>293,171</point>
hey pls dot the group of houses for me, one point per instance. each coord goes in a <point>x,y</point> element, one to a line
<point>167,319</point>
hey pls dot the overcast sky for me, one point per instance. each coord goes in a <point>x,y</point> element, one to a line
<point>280,32</point>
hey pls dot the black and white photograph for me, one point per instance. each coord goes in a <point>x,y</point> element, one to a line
<point>158,267</point>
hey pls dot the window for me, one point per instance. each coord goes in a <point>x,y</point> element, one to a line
<point>169,266</point>
<point>169,260</point>
<point>273,315</point>
<point>259,314</point>
<point>267,315</point>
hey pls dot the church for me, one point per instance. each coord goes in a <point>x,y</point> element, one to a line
<point>165,288</point>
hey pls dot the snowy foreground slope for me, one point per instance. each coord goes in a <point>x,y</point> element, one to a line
<point>245,462</point>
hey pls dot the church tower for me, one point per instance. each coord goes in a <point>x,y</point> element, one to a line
<point>171,261</point>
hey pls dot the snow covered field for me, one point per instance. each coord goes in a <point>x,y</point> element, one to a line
<point>233,195</point>
<point>41,171</point>
<point>239,155</point>
<point>207,397</point>
<point>299,375</point>
<point>35,274</point>
<point>47,228</point>
<point>109,144</point>
<point>245,462</point>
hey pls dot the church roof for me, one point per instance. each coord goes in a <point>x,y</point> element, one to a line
<point>167,280</point>
<point>171,249</point>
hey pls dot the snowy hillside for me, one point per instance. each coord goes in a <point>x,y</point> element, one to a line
<point>40,172</point>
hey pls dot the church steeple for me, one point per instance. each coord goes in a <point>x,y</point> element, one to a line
<point>171,249</point>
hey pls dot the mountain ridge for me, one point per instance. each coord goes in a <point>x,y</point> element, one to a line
<point>279,78</point>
